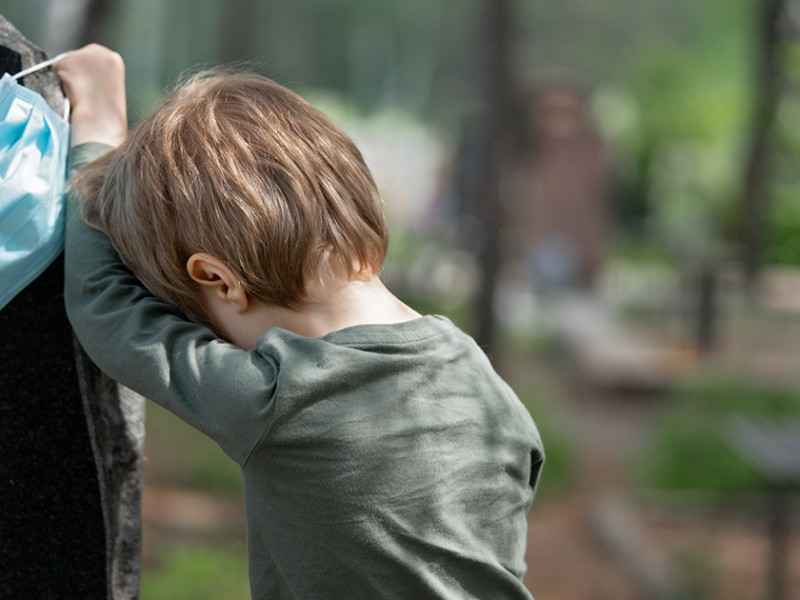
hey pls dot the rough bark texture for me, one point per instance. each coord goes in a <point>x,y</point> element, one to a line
<point>70,437</point>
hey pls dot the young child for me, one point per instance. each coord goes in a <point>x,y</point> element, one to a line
<point>382,455</point>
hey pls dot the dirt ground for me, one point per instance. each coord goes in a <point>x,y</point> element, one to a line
<point>722,556</point>
<point>566,560</point>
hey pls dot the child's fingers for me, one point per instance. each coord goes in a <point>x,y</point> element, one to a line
<point>93,78</point>
<point>91,70</point>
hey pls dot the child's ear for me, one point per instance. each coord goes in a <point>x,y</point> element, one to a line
<point>217,279</point>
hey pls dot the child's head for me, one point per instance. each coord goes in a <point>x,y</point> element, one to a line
<point>239,167</point>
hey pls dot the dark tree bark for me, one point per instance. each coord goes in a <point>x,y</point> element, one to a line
<point>768,76</point>
<point>496,95</point>
<point>70,437</point>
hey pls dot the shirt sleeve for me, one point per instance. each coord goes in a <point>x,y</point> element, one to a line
<point>149,346</point>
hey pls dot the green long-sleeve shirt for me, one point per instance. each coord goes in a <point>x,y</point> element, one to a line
<point>379,461</point>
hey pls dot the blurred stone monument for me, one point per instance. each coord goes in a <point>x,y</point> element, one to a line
<point>71,438</point>
<point>559,213</point>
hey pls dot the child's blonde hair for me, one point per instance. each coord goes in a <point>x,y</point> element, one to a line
<point>237,166</point>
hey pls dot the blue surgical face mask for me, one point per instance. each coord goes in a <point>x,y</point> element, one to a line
<point>34,141</point>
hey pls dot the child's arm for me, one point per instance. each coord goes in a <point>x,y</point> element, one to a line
<point>137,339</point>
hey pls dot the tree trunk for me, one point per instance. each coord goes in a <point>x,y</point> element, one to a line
<point>754,211</point>
<point>496,96</point>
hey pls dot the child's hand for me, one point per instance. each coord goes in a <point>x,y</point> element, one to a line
<point>94,81</point>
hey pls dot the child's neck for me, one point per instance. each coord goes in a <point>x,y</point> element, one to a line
<point>356,302</point>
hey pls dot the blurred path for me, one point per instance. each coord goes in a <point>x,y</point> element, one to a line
<point>597,390</point>
<point>565,560</point>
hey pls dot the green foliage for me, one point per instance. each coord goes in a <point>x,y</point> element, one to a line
<point>694,107</point>
<point>687,454</point>
<point>559,469</point>
<point>184,457</point>
<point>783,219</point>
<point>198,573</point>
<point>683,99</point>
<point>784,227</point>
<point>688,449</point>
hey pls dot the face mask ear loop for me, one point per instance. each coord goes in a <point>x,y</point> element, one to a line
<point>43,65</point>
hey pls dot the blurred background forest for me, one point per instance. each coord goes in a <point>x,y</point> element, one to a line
<point>606,194</point>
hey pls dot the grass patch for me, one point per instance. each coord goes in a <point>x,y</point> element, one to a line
<point>688,449</point>
<point>197,573</point>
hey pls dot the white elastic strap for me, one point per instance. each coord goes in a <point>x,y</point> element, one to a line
<point>42,65</point>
